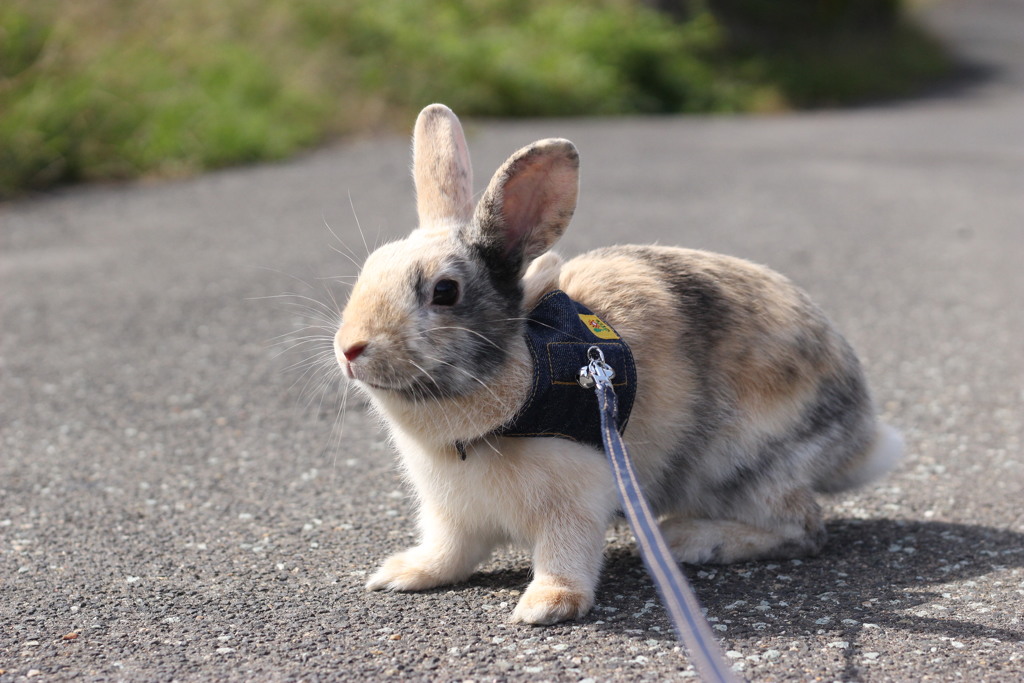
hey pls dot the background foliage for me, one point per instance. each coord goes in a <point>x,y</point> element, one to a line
<point>107,89</point>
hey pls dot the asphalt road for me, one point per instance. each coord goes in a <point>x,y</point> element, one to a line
<point>176,502</point>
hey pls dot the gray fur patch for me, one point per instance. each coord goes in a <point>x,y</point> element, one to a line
<point>467,342</point>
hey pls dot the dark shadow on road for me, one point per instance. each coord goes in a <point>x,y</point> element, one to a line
<point>871,573</point>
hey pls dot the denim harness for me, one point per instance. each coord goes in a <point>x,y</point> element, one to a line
<point>558,333</point>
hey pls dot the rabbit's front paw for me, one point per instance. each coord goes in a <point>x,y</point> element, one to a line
<point>407,571</point>
<point>550,600</point>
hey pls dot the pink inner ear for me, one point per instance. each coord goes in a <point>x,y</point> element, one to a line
<point>538,201</point>
<point>530,200</point>
<point>525,198</point>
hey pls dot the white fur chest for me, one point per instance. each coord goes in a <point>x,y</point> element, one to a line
<point>507,487</point>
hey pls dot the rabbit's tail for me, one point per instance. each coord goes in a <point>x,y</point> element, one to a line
<point>883,455</point>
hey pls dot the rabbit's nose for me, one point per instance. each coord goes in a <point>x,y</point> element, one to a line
<point>353,351</point>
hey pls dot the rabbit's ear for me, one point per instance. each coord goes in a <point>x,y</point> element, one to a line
<point>441,168</point>
<point>529,202</point>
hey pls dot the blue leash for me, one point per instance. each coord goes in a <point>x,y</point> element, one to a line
<point>676,594</point>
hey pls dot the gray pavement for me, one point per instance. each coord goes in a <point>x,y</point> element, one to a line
<point>176,502</point>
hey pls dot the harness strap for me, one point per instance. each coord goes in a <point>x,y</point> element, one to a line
<point>676,594</point>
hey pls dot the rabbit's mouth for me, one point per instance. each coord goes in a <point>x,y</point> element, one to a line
<point>413,378</point>
<point>395,391</point>
<point>416,389</point>
<point>375,383</point>
<point>412,388</point>
<point>415,393</point>
<point>374,376</point>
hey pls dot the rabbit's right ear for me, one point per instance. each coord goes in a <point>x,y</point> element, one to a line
<point>441,168</point>
<point>528,204</point>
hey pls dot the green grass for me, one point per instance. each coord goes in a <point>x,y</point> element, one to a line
<point>112,89</point>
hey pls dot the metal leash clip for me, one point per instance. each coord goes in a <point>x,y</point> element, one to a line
<point>596,371</point>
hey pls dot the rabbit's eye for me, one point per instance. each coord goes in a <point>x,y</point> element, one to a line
<point>446,293</point>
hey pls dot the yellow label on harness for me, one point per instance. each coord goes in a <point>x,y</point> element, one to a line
<point>600,329</point>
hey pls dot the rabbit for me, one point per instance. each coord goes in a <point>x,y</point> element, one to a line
<point>748,401</point>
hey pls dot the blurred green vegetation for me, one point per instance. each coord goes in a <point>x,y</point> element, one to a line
<point>108,89</point>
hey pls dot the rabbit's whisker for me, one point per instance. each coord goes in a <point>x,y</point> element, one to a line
<point>463,329</point>
<point>348,253</point>
<point>358,226</point>
<point>468,374</point>
<point>550,327</point>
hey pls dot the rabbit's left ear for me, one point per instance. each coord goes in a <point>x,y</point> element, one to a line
<point>529,202</point>
<point>441,169</point>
